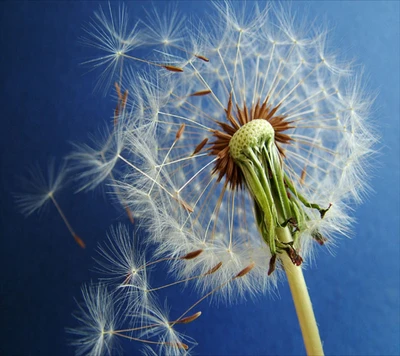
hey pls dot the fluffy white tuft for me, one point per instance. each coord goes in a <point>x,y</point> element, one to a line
<point>98,319</point>
<point>39,189</point>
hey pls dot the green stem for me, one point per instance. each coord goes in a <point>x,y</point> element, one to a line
<point>301,299</point>
<point>253,149</point>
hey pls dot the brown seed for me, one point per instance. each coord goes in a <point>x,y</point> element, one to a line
<point>201,93</point>
<point>186,206</point>
<point>180,132</point>
<point>191,255</point>
<point>214,269</point>
<point>79,241</point>
<point>205,59</point>
<point>245,270</point>
<point>188,319</point>
<point>173,68</point>
<point>118,90</point>
<point>303,175</point>
<point>200,146</point>
<point>116,115</point>
<point>129,213</point>
<point>124,99</point>
<point>179,345</point>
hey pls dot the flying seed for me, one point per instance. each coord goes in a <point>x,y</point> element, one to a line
<point>200,146</point>
<point>118,90</point>
<point>191,255</point>
<point>180,132</point>
<point>116,114</point>
<point>172,68</point>
<point>185,205</point>
<point>179,345</point>
<point>214,269</point>
<point>245,270</point>
<point>129,213</point>
<point>79,241</point>
<point>201,93</point>
<point>205,59</point>
<point>124,99</point>
<point>303,176</point>
<point>188,319</point>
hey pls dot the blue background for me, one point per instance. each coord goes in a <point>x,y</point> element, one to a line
<point>47,101</point>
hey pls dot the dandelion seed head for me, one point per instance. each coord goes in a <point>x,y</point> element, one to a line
<point>318,114</point>
<point>244,140</point>
<point>195,187</point>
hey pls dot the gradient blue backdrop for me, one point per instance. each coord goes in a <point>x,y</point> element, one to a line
<point>46,101</point>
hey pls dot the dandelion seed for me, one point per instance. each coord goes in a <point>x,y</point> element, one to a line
<point>156,324</point>
<point>40,190</point>
<point>109,33</point>
<point>93,165</point>
<point>98,319</point>
<point>191,255</point>
<point>121,259</point>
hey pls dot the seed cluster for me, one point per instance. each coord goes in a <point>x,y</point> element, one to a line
<point>225,166</point>
<point>253,134</point>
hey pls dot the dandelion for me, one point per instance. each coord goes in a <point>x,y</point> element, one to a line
<point>249,148</point>
<point>40,190</point>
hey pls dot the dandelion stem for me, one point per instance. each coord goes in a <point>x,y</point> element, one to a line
<point>301,298</point>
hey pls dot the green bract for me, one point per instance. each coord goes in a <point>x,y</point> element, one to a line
<point>277,203</point>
